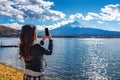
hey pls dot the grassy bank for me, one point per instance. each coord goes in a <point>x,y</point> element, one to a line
<point>10,73</point>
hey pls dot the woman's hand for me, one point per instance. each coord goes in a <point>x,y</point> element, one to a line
<point>44,37</point>
<point>49,37</point>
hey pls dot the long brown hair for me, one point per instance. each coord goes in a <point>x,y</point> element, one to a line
<point>27,38</point>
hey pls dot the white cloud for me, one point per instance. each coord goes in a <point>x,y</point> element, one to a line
<point>90,16</point>
<point>100,22</point>
<point>39,27</point>
<point>32,9</point>
<point>77,15</point>
<point>52,15</point>
<point>56,25</point>
<point>108,13</point>
<point>2,1</point>
<point>13,25</point>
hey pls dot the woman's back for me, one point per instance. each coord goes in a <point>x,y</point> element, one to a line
<point>36,58</point>
<point>33,53</point>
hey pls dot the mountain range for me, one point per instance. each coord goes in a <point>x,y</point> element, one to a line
<point>75,29</point>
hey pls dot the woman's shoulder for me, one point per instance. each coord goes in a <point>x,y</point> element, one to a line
<point>36,45</point>
<point>36,49</point>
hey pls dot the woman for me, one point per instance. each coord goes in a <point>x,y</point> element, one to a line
<point>32,53</point>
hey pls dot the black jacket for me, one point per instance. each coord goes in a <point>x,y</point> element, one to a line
<point>37,52</point>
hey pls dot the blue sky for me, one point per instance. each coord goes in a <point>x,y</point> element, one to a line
<point>101,14</point>
<point>83,6</point>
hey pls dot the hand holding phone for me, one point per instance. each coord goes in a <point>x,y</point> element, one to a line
<point>46,32</point>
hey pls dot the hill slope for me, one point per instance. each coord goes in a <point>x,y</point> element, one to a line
<point>8,32</point>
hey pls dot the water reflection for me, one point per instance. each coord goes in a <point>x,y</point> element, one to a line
<point>76,59</point>
<point>10,56</point>
<point>95,65</point>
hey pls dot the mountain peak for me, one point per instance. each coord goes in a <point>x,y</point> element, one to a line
<point>76,24</point>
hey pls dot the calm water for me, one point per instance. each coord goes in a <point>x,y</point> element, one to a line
<point>74,58</point>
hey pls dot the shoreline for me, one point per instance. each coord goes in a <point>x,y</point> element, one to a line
<point>10,73</point>
<point>2,46</point>
<point>69,37</point>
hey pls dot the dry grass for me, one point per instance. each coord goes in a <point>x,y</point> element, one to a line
<point>9,73</point>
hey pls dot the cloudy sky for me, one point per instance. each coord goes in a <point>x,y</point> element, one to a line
<point>101,14</point>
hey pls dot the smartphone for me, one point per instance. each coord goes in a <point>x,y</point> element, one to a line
<point>46,32</point>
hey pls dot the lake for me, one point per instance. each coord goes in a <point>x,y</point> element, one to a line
<point>74,58</point>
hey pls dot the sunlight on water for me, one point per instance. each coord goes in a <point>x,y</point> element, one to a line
<point>96,65</point>
<point>75,58</point>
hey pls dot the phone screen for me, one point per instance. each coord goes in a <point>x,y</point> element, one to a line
<point>46,32</point>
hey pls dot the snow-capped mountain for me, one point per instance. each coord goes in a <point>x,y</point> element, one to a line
<point>77,29</point>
